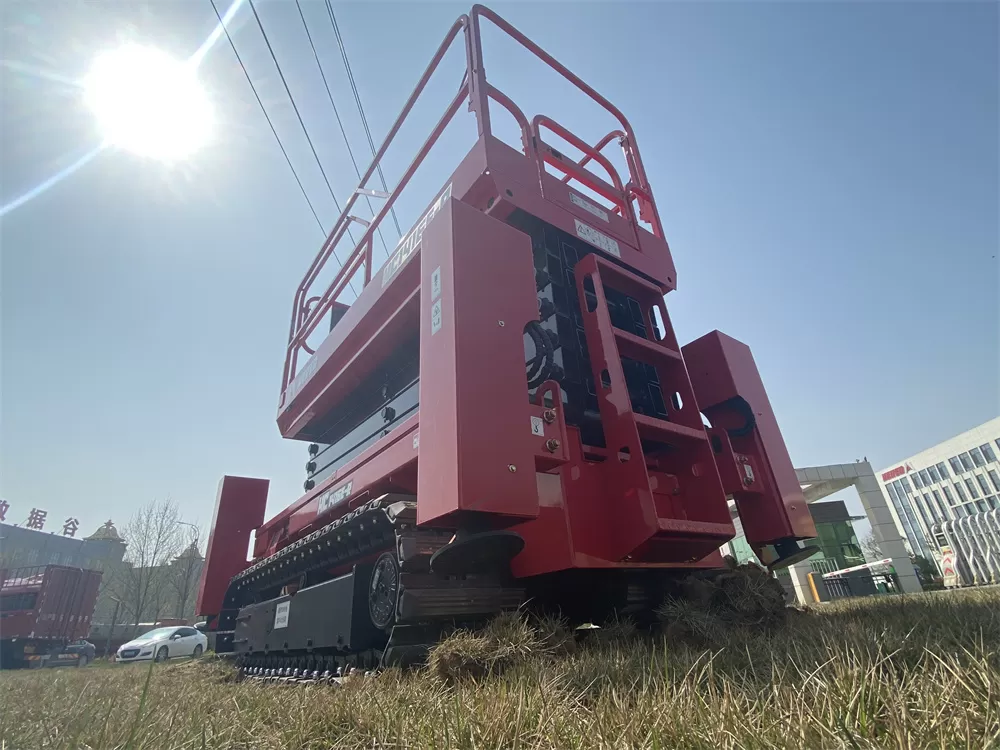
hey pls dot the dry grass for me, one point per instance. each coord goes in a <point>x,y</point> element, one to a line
<point>905,672</point>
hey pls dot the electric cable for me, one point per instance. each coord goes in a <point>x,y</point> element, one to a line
<point>295,107</point>
<point>540,366</point>
<point>336,114</point>
<point>305,131</point>
<point>357,100</point>
<point>267,117</point>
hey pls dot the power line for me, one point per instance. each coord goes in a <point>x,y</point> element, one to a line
<point>268,118</point>
<point>357,100</point>
<point>305,131</point>
<point>295,107</point>
<point>336,114</point>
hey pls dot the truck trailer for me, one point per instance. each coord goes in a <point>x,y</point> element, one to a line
<point>45,612</point>
<point>502,417</point>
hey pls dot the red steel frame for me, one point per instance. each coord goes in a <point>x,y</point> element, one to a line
<point>469,299</point>
<point>308,310</point>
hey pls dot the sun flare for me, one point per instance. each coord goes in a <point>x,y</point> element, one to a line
<point>148,103</point>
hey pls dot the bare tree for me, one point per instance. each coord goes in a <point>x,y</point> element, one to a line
<point>154,538</point>
<point>185,570</point>
<point>870,548</point>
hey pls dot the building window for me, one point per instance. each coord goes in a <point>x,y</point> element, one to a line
<point>982,484</point>
<point>988,452</point>
<point>956,465</point>
<point>948,496</point>
<point>906,484</point>
<point>960,491</point>
<point>932,470</point>
<point>981,505</point>
<point>995,478</point>
<point>930,508</point>
<point>910,526</point>
<point>977,457</point>
<point>917,482</point>
<point>924,477</point>
<point>940,507</point>
<point>992,501</point>
<point>966,461</point>
<point>943,469</point>
<point>961,511</point>
<point>973,492</point>
<point>923,514</point>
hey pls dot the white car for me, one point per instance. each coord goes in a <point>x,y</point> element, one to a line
<point>164,643</point>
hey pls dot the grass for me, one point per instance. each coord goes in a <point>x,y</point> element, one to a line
<point>901,672</point>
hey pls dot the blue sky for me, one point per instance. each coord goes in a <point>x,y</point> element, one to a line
<point>827,175</point>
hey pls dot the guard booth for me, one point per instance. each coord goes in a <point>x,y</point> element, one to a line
<point>870,579</point>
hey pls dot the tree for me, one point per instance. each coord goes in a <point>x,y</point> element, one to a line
<point>927,571</point>
<point>185,570</point>
<point>154,538</point>
<point>870,548</point>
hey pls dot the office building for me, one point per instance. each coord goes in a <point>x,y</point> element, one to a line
<point>949,496</point>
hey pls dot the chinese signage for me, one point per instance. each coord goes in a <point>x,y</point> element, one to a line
<point>888,476</point>
<point>37,517</point>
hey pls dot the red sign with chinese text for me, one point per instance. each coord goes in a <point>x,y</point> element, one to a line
<point>897,472</point>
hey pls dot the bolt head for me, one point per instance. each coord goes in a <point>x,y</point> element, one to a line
<point>549,415</point>
<point>511,468</point>
<point>500,323</point>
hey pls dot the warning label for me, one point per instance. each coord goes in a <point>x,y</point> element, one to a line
<point>281,615</point>
<point>598,239</point>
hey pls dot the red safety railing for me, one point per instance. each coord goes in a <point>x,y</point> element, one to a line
<point>308,309</point>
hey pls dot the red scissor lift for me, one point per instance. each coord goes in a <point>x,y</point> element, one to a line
<point>502,414</point>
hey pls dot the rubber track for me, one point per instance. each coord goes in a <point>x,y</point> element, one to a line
<point>366,529</point>
<point>426,605</point>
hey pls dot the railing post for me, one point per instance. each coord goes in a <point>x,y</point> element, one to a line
<point>478,91</point>
<point>368,261</point>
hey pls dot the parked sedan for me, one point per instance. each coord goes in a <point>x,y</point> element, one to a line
<point>162,644</point>
<point>85,651</point>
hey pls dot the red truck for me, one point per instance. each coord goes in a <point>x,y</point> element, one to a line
<point>45,612</point>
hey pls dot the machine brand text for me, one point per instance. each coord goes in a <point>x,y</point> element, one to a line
<point>404,250</point>
<point>334,497</point>
<point>307,371</point>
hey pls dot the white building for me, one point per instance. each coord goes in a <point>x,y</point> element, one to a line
<point>949,496</point>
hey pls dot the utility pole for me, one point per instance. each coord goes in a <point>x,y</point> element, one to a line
<point>111,630</point>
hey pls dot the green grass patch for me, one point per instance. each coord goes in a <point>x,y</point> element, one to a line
<point>892,672</point>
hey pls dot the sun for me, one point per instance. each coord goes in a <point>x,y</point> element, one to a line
<point>148,103</point>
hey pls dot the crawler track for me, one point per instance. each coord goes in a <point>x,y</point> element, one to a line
<point>408,605</point>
